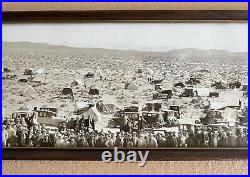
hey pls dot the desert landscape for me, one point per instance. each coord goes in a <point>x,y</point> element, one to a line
<point>173,91</point>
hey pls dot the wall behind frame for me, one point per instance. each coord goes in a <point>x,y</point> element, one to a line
<point>79,167</point>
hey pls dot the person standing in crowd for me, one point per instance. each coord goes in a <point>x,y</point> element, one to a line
<point>81,122</point>
<point>232,139</point>
<point>240,138</point>
<point>183,139</point>
<point>36,138</point>
<point>205,138</point>
<point>161,140</point>
<point>119,140</point>
<point>51,138</point>
<point>63,129</point>
<point>44,139</point>
<point>110,140</point>
<point>141,142</point>
<point>59,141</point>
<point>141,123</point>
<point>70,124</point>
<point>83,141</point>
<point>100,142</point>
<point>135,139</point>
<point>92,123</point>
<point>11,131</point>
<point>76,125</point>
<point>65,141</point>
<point>86,123</point>
<point>151,140</point>
<point>91,140</point>
<point>199,137</point>
<point>223,141</point>
<point>214,139</point>
<point>71,143</point>
<point>4,136</point>
<point>191,139</point>
<point>21,136</point>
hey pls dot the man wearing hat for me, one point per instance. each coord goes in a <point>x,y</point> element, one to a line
<point>100,142</point>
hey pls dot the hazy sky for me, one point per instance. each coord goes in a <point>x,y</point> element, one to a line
<point>137,36</point>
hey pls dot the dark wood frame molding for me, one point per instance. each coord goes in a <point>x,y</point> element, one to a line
<point>96,16</point>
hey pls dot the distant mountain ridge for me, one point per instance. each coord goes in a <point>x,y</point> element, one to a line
<point>44,48</point>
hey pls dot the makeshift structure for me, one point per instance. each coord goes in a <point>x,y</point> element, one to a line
<point>94,90</point>
<point>131,86</point>
<point>67,92</point>
<point>29,91</point>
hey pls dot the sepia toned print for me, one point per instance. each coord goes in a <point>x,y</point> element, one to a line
<point>126,85</point>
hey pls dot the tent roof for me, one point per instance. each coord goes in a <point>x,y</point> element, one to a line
<point>94,87</point>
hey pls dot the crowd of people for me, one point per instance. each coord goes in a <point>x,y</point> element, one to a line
<point>22,133</point>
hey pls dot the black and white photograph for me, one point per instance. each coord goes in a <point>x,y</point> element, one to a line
<point>125,85</point>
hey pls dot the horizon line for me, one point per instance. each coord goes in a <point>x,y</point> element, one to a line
<point>135,50</point>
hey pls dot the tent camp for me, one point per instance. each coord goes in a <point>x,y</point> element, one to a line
<point>29,91</point>
<point>93,113</point>
<point>67,92</point>
<point>131,86</point>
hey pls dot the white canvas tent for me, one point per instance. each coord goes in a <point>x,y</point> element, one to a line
<point>131,86</point>
<point>232,98</point>
<point>230,114</point>
<point>77,82</point>
<point>93,113</point>
<point>202,92</point>
<point>40,79</point>
<point>217,104</point>
<point>29,91</point>
<point>81,105</point>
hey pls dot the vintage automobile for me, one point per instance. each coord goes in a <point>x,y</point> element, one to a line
<point>169,118</point>
<point>47,116</point>
<point>19,115</point>
<point>152,119</point>
<point>158,86</point>
<point>211,116</point>
<point>132,113</point>
<point>115,122</point>
<point>90,75</point>
<point>163,94</point>
<point>176,110</point>
<point>193,127</point>
<point>188,92</point>
<point>50,118</point>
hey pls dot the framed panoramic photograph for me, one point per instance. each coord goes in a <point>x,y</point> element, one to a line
<point>98,85</point>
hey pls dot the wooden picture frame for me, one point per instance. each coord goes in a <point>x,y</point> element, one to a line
<point>95,16</point>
